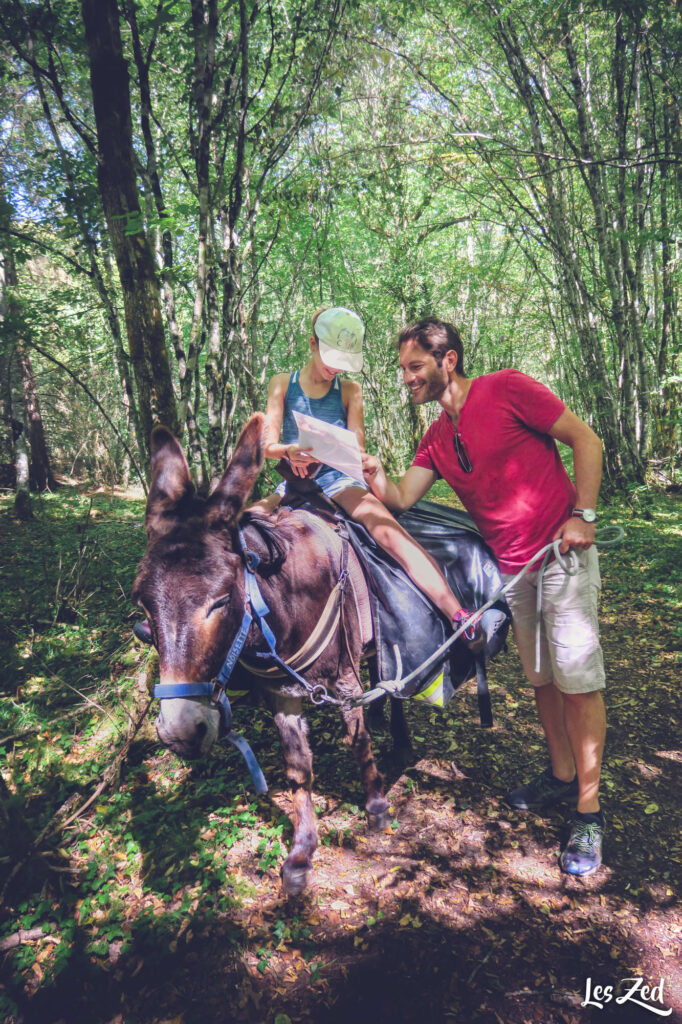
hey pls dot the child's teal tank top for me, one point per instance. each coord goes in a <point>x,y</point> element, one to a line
<point>329,408</point>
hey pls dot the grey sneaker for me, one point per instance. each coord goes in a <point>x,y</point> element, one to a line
<point>542,792</point>
<point>582,854</point>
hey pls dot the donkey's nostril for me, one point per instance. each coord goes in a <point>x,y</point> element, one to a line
<point>201,730</point>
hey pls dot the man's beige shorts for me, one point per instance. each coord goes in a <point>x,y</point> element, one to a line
<point>570,652</point>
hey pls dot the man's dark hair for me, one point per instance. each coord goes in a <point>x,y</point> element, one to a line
<point>435,337</point>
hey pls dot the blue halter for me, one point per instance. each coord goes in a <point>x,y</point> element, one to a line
<point>254,608</point>
<point>216,688</point>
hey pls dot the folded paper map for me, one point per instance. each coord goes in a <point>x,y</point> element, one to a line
<point>335,446</point>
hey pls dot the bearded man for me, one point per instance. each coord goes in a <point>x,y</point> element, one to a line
<point>495,445</point>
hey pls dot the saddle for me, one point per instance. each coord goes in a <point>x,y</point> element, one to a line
<point>408,628</point>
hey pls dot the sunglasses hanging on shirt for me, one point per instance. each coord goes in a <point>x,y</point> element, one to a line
<point>462,454</point>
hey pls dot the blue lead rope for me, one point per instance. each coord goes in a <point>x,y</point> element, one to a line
<point>165,691</point>
<point>318,694</point>
<point>242,745</point>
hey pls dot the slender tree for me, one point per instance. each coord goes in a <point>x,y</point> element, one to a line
<point>12,393</point>
<point>20,395</point>
<point>117,179</point>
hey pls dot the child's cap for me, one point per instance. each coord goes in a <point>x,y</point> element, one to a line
<point>340,333</point>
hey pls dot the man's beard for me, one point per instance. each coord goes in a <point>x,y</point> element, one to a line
<point>430,391</point>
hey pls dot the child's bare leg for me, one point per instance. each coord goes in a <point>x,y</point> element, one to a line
<point>422,569</point>
<point>266,505</point>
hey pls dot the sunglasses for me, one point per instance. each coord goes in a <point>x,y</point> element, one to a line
<point>462,455</point>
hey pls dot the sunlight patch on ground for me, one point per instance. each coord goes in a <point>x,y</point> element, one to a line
<point>670,755</point>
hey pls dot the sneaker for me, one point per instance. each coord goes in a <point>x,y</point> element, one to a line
<point>473,636</point>
<point>582,854</point>
<point>542,792</point>
<point>143,632</point>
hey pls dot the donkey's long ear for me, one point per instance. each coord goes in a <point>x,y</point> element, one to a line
<point>171,483</point>
<point>231,494</point>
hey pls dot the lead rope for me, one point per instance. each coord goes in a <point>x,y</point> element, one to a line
<point>607,536</point>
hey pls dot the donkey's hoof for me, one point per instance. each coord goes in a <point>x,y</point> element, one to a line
<point>295,878</point>
<point>379,822</point>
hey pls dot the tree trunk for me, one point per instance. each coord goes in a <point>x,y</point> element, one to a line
<point>42,477</point>
<point>13,410</point>
<point>118,191</point>
<point>22,500</point>
<point>668,360</point>
<point>152,181</point>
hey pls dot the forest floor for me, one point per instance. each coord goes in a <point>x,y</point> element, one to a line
<point>160,903</point>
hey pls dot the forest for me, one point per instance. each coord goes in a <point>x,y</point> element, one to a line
<point>182,184</point>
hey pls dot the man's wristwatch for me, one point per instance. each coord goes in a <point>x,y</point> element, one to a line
<point>588,515</point>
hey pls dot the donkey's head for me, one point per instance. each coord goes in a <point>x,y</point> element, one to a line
<point>190,581</point>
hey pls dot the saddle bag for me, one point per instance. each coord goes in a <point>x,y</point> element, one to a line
<point>407,626</point>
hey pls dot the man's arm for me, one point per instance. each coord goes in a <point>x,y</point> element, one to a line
<point>398,497</point>
<point>587,468</point>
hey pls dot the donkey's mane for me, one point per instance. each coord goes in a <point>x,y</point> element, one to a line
<point>276,539</point>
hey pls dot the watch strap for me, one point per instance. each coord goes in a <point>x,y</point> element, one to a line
<point>588,515</point>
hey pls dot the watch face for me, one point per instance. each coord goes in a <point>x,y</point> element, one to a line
<point>589,515</point>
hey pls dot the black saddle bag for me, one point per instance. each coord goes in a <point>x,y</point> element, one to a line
<point>407,626</point>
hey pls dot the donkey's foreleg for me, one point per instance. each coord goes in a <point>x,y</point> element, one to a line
<point>358,739</point>
<point>293,731</point>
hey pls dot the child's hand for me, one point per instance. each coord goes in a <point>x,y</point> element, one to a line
<point>300,461</point>
<point>372,469</point>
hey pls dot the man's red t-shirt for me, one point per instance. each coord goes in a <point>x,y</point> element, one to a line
<point>519,493</point>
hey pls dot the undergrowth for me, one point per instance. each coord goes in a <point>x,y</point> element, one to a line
<point>161,851</point>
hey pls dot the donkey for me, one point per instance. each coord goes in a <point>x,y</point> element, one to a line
<point>191,585</point>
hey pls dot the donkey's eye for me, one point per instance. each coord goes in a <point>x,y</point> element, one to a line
<point>218,604</point>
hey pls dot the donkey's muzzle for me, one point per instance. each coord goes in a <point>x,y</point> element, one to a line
<point>189,727</point>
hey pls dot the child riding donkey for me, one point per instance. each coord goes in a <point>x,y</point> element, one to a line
<point>317,390</point>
